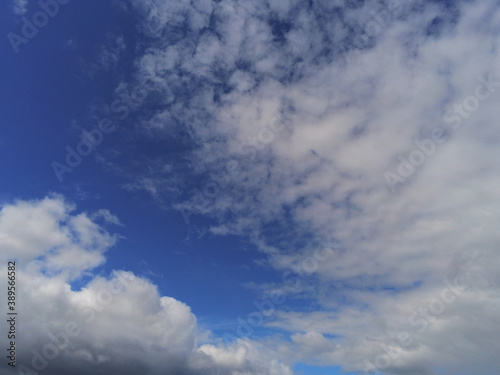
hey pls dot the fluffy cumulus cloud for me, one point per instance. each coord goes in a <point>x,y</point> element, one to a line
<point>118,324</point>
<point>372,124</point>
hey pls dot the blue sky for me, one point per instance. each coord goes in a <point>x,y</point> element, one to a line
<point>280,186</point>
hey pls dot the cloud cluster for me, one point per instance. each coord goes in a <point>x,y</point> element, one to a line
<point>356,85</point>
<point>110,325</point>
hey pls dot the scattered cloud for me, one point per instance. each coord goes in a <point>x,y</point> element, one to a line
<point>107,216</point>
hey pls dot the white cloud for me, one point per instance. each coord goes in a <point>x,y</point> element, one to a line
<point>119,324</point>
<point>349,115</point>
<point>107,216</point>
<point>20,7</point>
<point>44,236</point>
